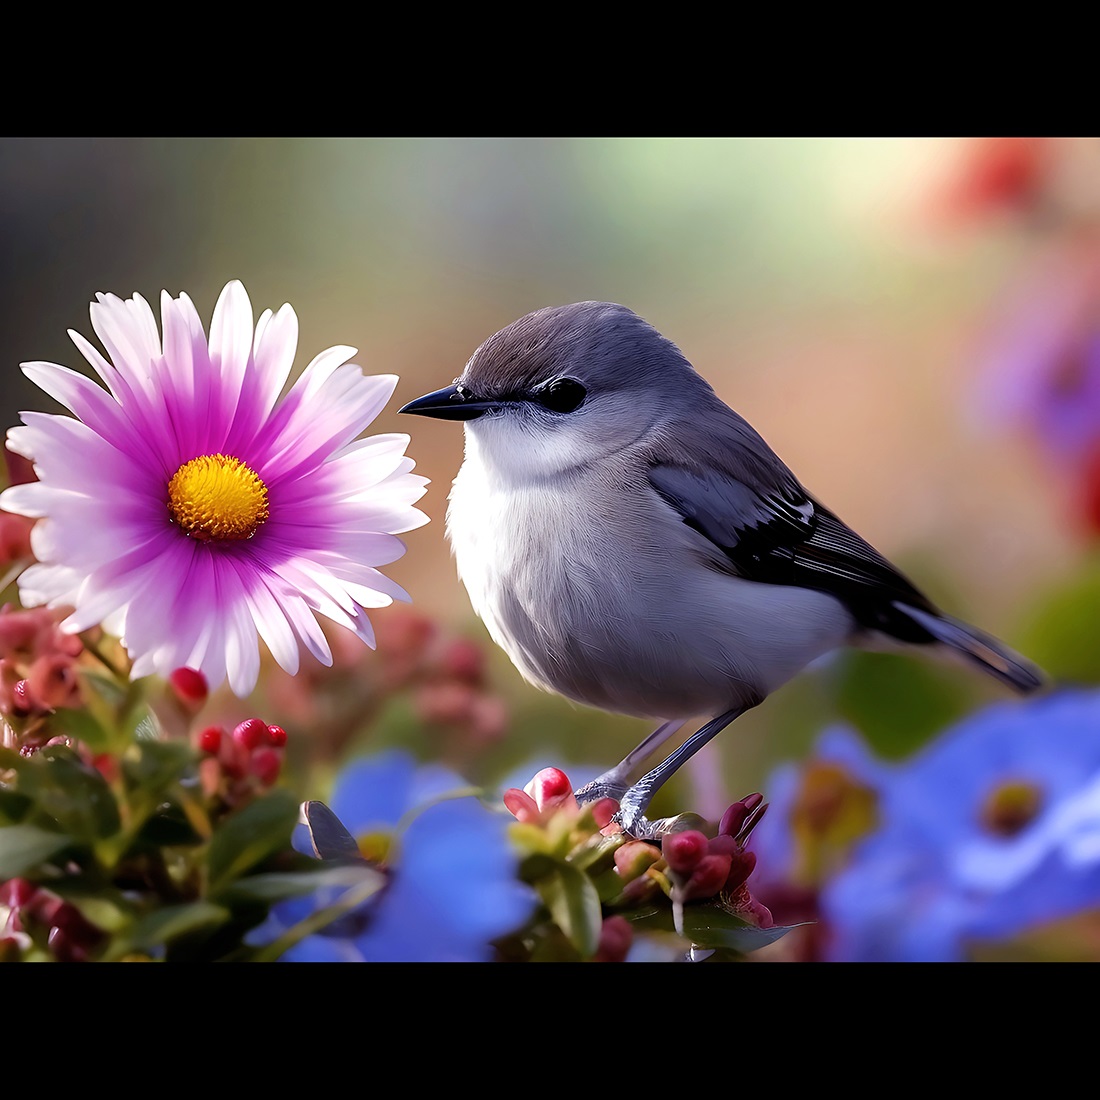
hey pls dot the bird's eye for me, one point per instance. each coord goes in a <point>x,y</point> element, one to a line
<point>562,395</point>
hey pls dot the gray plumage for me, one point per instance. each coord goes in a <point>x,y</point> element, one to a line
<point>633,543</point>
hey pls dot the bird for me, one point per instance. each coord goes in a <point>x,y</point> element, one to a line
<point>633,544</point>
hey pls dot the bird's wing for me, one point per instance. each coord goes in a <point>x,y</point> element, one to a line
<point>779,534</point>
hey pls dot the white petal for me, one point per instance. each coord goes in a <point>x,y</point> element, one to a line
<point>273,351</point>
<point>127,331</point>
<point>231,334</point>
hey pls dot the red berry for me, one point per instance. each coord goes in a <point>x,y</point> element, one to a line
<point>210,740</point>
<point>251,733</point>
<point>190,685</point>
<point>266,765</point>
<point>276,735</point>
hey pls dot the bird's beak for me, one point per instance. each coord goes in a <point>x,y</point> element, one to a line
<point>449,403</point>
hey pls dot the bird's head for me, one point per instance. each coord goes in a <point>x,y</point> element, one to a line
<point>565,386</point>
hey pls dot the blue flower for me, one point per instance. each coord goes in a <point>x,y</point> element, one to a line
<point>451,884</point>
<point>992,829</point>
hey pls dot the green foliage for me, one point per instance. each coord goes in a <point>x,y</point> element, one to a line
<point>899,701</point>
<point>1063,633</point>
<point>574,870</point>
<point>126,854</point>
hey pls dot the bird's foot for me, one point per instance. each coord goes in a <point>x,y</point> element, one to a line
<point>631,816</point>
<point>600,788</point>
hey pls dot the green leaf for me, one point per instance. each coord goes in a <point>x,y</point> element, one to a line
<point>711,925</point>
<point>107,686</point>
<point>151,770</point>
<point>537,865</point>
<point>24,847</point>
<point>71,792</point>
<point>164,925</point>
<point>275,886</point>
<point>596,853</point>
<point>153,766</point>
<point>574,905</point>
<point>169,827</point>
<point>13,806</point>
<point>82,726</point>
<point>249,835</point>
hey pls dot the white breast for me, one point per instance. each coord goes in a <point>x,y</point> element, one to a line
<point>597,590</point>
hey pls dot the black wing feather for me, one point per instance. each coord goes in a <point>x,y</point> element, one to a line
<point>787,537</point>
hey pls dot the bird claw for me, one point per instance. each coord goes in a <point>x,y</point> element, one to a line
<point>597,789</point>
<point>630,817</point>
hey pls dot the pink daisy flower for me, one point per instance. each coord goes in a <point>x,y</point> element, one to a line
<point>192,511</point>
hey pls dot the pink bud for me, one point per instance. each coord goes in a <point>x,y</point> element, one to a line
<point>15,537</point>
<point>521,805</point>
<point>552,790</point>
<point>723,845</point>
<point>634,857</point>
<point>464,660</point>
<point>603,810</point>
<point>18,630</point>
<point>736,815</point>
<point>190,687</point>
<point>51,682</point>
<point>684,850</point>
<point>22,702</point>
<point>616,936</point>
<point>447,701</point>
<point>16,892</point>
<point>707,877</point>
<point>742,864</point>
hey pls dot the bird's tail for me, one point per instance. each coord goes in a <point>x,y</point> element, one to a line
<point>986,652</point>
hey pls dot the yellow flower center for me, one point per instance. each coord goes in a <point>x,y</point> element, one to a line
<point>374,847</point>
<point>1011,806</point>
<point>217,497</point>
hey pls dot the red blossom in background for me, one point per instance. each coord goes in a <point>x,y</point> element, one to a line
<point>444,676</point>
<point>30,913</point>
<point>15,538</point>
<point>38,671</point>
<point>994,175</point>
<point>241,763</point>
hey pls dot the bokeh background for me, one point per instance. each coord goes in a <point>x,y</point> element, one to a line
<point>860,301</point>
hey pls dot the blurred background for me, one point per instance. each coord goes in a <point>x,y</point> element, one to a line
<point>880,309</point>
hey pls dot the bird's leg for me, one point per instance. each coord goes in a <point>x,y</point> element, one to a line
<point>615,782</point>
<point>637,798</point>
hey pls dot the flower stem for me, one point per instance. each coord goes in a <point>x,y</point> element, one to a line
<point>99,655</point>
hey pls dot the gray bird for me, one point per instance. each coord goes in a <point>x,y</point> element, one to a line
<point>632,543</point>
